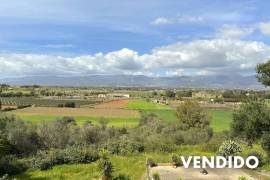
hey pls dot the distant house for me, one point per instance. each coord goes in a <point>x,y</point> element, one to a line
<point>118,95</point>
<point>102,96</point>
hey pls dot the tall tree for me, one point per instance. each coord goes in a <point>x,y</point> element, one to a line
<point>263,73</point>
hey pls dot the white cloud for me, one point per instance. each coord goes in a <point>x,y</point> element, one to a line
<point>161,21</point>
<point>233,32</point>
<point>189,19</point>
<point>265,28</point>
<point>177,20</point>
<point>217,56</point>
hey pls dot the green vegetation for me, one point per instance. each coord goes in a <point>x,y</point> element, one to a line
<point>221,119</point>
<point>168,115</point>
<point>263,73</point>
<point>251,123</point>
<point>117,122</point>
<point>140,104</point>
<point>134,167</point>
<point>47,146</point>
<point>25,101</point>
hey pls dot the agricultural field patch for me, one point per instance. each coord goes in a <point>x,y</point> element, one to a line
<point>221,119</point>
<point>140,104</point>
<point>112,113</point>
<point>116,122</point>
<point>25,101</point>
<point>117,104</point>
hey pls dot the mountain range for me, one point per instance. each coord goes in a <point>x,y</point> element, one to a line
<point>217,81</point>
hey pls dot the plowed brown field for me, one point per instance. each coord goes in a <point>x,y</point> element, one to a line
<point>118,104</point>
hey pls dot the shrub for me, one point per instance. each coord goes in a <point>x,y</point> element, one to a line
<point>151,162</point>
<point>71,155</point>
<point>122,177</point>
<point>156,176</point>
<point>242,178</point>
<point>10,165</point>
<point>124,147</point>
<point>229,148</point>
<point>105,166</point>
<point>196,136</point>
<point>215,142</point>
<point>176,160</point>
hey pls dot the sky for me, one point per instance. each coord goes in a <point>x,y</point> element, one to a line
<point>142,37</point>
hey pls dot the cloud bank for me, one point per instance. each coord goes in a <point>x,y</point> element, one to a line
<point>200,57</point>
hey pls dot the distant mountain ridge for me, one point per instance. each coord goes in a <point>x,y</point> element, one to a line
<point>218,81</point>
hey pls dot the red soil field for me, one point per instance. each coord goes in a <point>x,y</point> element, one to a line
<point>118,104</point>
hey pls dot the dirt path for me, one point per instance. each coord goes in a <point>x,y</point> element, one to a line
<point>170,173</point>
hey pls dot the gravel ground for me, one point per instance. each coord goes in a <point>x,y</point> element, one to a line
<point>170,173</point>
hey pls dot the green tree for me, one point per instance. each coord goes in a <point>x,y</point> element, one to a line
<point>251,121</point>
<point>169,94</point>
<point>191,115</point>
<point>263,73</point>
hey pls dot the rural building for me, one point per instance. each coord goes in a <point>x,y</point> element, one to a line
<point>118,95</point>
<point>102,96</point>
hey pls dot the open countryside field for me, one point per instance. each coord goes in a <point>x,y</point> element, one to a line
<point>118,104</point>
<point>140,104</point>
<point>112,121</point>
<point>129,116</point>
<point>79,112</point>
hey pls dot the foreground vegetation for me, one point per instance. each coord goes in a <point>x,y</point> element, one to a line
<point>38,150</point>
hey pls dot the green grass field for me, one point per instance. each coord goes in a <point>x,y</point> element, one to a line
<point>220,119</point>
<point>140,104</point>
<point>117,122</point>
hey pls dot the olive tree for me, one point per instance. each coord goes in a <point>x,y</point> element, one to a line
<point>263,73</point>
<point>251,121</point>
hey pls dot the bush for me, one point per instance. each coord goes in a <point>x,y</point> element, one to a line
<point>122,177</point>
<point>10,165</point>
<point>71,155</point>
<point>105,166</point>
<point>229,148</point>
<point>156,176</point>
<point>124,147</point>
<point>176,160</point>
<point>215,142</point>
<point>242,178</point>
<point>151,162</point>
<point>196,136</point>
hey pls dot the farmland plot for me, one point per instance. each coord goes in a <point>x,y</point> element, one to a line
<point>79,112</point>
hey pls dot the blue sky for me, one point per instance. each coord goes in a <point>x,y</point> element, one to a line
<point>142,34</point>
